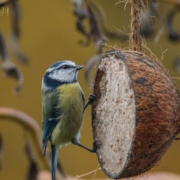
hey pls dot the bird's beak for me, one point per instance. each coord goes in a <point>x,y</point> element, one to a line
<point>78,67</point>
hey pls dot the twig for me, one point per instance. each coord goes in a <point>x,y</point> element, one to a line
<point>77,177</point>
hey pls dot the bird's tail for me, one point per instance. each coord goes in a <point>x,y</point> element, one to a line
<point>54,157</point>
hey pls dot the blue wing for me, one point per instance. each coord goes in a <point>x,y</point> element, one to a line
<point>50,115</point>
<point>47,129</point>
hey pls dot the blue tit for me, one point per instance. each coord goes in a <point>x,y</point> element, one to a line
<point>63,109</point>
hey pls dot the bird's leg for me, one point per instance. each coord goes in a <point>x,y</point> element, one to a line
<point>96,144</point>
<point>90,100</point>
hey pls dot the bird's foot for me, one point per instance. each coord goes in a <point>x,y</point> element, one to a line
<point>90,100</point>
<point>96,145</point>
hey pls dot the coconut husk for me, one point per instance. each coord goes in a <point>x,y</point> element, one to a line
<point>136,112</point>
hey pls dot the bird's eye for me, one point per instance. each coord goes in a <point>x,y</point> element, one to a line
<point>64,67</point>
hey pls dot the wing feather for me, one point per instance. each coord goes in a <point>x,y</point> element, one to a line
<point>50,116</point>
<point>47,129</point>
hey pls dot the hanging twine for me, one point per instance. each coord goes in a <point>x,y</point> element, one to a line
<point>137,9</point>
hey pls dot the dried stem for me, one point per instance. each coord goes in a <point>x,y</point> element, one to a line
<point>28,122</point>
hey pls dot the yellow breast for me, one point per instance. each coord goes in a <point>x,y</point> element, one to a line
<point>71,106</point>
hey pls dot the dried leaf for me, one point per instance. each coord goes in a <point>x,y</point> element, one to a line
<point>3,50</point>
<point>19,54</point>
<point>97,35</point>
<point>1,150</point>
<point>16,16</point>
<point>94,31</point>
<point>101,21</point>
<point>81,29</point>
<point>33,169</point>
<point>148,22</point>
<point>89,66</point>
<point>173,34</point>
<point>12,71</point>
<point>81,14</point>
<point>9,68</point>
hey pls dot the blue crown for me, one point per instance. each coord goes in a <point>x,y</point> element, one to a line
<point>57,64</point>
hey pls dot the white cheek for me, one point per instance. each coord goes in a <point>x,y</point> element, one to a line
<point>56,75</point>
<point>59,76</point>
<point>62,76</point>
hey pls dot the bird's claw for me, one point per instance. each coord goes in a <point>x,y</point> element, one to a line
<point>96,145</point>
<point>91,98</point>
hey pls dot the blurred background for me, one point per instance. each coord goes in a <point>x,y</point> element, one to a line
<point>49,34</point>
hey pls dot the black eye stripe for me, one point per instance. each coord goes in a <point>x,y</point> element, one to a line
<point>65,67</point>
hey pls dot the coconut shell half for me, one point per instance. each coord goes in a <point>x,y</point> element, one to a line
<point>136,113</point>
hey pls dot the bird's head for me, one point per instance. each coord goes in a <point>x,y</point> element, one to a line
<point>61,72</point>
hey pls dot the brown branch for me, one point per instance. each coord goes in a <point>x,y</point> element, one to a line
<point>30,123</point>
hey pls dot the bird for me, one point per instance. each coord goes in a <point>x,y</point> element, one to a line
<point>62,109</point>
